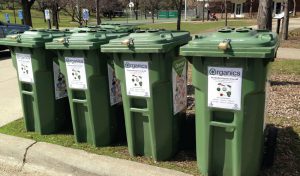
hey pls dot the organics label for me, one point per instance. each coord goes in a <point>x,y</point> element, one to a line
<point>137,78</point>
<point>224,87</point>
<point>179,80</point>
<point>24,67</point>
<point>114,86</point>
<point>59,83</point>
<point>76,73</point>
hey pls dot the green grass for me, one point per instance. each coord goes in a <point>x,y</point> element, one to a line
<point>65,22</point>
<point>286,67</point>
<point>38,19</point>
<point>196,27</point>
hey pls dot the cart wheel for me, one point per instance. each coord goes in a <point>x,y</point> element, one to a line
<point>270,146</point>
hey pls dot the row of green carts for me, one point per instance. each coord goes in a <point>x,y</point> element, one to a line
<point>92,74</point>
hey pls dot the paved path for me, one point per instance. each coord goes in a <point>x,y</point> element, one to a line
<point>10,104</point>
<point>293,24</point>
<point>288,53</point>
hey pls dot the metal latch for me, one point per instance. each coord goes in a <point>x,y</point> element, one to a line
<point>63,40</point>
<point>225,44</point>
<point>127,42</point>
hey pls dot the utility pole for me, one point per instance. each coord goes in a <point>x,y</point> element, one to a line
<point>226,17</point>
<point>185,9</point>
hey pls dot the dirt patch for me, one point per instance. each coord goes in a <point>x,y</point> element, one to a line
<point>294,40</point>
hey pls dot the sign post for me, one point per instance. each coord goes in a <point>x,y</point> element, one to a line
<point>47,17</point>
<point>7,18</point>
<point>130,5</point>
<point>85,15</point>
<point>20,15</point>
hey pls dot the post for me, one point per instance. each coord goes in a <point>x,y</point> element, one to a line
<point>49,24</point>
<point>278,26</point>
<point>203,9</point>
<point>14,12</point>
<point>285,32</point>
<point>226,17</point>
<point>185,9</point>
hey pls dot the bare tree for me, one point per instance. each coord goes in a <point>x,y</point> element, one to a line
<point>178,5</point>
<point>264,17</point>
<point>153,7</point>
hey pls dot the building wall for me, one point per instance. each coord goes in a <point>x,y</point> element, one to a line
<point>218,6</point>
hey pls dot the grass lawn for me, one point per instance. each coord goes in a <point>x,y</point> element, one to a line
<point>287,151</point>
<point>286,67</point>
<point>66,22</point>
<point>196,27</point>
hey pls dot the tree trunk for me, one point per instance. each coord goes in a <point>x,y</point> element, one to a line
<point>26,6</point>
<point>264,17</point>
<point>152,15</point>
<point>98,12</point>
<point>55,15</point>
<point>179,8</point>
<point>285,32</point>
<point>294,13</point>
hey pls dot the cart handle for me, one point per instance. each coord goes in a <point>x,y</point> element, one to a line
<point>229,127</point>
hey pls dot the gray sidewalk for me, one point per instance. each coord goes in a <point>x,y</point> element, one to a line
<point>10,105</point>
<point>288,53</point>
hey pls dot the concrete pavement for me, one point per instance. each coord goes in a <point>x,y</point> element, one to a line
<point>27,156</point>
<point>10,105</point>
<point>288,53</point>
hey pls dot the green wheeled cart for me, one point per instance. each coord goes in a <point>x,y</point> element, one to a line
<point>93,90</point>
<point>153,82</point>
<point>42,85</point>
<point>229,75</point>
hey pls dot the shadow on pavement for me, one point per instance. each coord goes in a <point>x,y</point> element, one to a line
<point>5,54</point>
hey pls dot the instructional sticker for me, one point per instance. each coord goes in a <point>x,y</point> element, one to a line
<point>59,83</point>
<point>76,73</point>
<point>179,79</point>
<point>24,68</point>
<point>224,87</point>
<point>137,78</point>
<point>114,86</point>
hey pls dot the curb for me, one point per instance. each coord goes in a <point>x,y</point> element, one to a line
<point>57,160</point>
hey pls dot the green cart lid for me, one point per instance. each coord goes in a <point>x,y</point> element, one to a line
<point>83,40</point>
<point>32,38</point>
<point>150,41</point>
<point>230,42</point>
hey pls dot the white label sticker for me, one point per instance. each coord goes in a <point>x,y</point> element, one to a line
<point>224,87</point>
<point>114,86</point>
<point>179,80</point>
<point>24,67</point>
<point>59,83</point>
<point>137,78</point>
<point>76,73</point>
